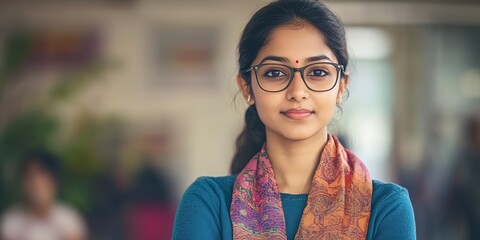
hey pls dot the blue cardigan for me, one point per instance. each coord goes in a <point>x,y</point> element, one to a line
<point>204,211</point>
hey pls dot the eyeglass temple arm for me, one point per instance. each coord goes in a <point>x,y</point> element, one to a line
<point>247,70</point>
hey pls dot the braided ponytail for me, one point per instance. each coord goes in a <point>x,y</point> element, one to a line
<point>249,141</point>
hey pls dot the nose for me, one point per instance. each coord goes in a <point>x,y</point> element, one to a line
<point>297,90</point>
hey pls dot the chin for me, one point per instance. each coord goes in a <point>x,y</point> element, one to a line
<point>298,134</point>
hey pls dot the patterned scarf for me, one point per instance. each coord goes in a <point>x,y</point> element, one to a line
<point>338,205</point>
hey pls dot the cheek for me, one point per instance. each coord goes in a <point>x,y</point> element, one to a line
<point>326,99</point>
<point>268,108</point>
<point>326,103</point>
<point>268,104</point>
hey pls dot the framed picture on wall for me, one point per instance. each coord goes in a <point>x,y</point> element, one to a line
<point>184,56</point>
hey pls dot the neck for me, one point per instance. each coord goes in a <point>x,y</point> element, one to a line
<point>40,210</point>
<point>294,161</point>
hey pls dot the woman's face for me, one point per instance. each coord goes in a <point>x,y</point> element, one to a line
<point>39,186</point>
<point>295,44</point>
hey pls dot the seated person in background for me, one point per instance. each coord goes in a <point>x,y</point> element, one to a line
<point>40,216</point>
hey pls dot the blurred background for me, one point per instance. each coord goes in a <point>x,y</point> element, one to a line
<point>136,99</point>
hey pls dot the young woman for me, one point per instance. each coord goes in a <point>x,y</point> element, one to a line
<point>291,179</point>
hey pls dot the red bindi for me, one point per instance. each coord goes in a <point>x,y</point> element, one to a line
<point>296,61</point>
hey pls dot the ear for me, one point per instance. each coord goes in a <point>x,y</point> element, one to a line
<point>244,89</point>
<point>343,86</point>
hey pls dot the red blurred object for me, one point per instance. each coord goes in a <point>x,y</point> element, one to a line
<point>151,221</point>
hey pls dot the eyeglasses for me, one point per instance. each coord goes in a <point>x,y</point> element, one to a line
<point>319,77</point>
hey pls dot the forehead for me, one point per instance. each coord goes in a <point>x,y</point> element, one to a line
<point>296,42</point>
<point>35,167</point>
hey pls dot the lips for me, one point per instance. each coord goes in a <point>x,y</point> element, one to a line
<point>297,114</point>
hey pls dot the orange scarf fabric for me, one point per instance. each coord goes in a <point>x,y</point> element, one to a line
<point>338,205</point>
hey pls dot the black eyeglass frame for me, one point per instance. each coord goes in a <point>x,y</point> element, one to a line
<point>339,67</point>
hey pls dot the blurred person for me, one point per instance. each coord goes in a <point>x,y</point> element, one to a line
<point>151,212</point>
<point>106,216</point>
<point>40,216</point>
<point>434,174</point>
<point>290,178</point>
<point>464,191</point>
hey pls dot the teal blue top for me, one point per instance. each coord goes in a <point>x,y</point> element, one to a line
<point>204,211</point>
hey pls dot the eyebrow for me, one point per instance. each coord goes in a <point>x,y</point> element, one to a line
<point>285,60</point>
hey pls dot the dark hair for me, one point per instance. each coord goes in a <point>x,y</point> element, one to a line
<point>47,161</point>
<point>255,36</point>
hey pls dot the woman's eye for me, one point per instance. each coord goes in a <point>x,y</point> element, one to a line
<point>318,73</point>
<point>275,73</point>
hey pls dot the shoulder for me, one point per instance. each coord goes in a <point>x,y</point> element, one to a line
<point>12,219</point>
<point>203,209</point>
<point>67,214</point>
<point>70,220</point>
<point>222,181</point>
<point>64,210</point>
<point>387,190</point>
<point>392,215</point>
<point>14,211</point>
<point>208,192</point>
<point>387,196</point>
<point>209,186</point>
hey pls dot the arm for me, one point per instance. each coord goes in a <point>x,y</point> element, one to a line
<point>198,213</point>
<point>396,219</point>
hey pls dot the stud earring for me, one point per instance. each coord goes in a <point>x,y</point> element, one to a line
<point>248,98</point>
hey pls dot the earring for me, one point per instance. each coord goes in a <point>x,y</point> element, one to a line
<point>248,98</point>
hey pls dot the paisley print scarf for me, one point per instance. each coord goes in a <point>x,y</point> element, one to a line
<point>338,205</point>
